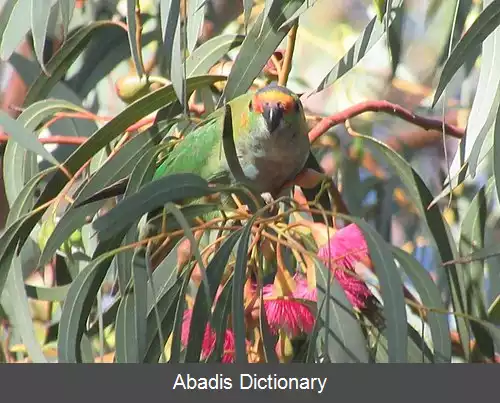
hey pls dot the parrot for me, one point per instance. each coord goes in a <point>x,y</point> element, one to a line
<point>270,137</point>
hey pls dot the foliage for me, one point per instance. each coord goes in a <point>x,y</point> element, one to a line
<point>289,281</point>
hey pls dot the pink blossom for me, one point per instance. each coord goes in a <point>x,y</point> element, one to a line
<point>287,313</point>
<point>302,290</point>
<point>346,248</point>
<point>209,339</point>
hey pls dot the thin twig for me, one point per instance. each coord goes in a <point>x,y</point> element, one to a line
<point>138,33</point>
<point>286,67</point>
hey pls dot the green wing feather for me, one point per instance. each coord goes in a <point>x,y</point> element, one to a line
<point>201,152</point>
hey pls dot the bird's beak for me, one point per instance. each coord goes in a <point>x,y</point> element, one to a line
<point>273,115</point>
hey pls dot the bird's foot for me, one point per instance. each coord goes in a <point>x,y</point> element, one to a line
<point>269,199</point>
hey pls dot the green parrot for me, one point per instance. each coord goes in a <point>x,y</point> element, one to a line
<point>270,137</point>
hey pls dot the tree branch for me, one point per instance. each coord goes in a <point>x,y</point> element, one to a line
<point>69,140</point>
<point>386,107</point>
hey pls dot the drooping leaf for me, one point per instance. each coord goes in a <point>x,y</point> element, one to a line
<point>201,309</point>
<point>204,57</point>
<point>17,24</point>
<point>62,60</point>
<point>441,237</point>
<point>482,27</point>
<point>40,13</point>
<point>75,217</point>
<point>472,239</point>
<point>152,196</point>
<point>367,39</point>
<point>430,295</point>
<point>80,299</point>
<point>66,8</point>
<point>237,305</point>
<point>24,137</point>
<point>258,46</point>
<point>195,17</point>
<point>338,329</point>
<point>391,289</point>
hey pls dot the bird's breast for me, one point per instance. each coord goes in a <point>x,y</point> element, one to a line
<point>268,161</point>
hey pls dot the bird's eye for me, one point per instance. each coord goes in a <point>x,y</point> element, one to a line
<point>250,105</point>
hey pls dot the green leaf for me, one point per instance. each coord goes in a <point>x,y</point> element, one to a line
<point>303,8</point>
<point>108,48</point>
<point>494,311</point>
<point>202,305</point>
<point>337,327</point>
<point>367,39</point>
<point>53,294</point>
<point>5,13</point>
<point>62,60</point>
<point>177,75</point>
<point>110,131</point>
<point>118,167</point>
<point>17,226</point>
<point>22,318</point>
<point>16,27</point>
<point>265,13</point>
<point>29,72</point>
<point>433,220</point>
<point>391,290</point>
<point>472,239</point>
<point>131,319</point>
<point>209,53</point>
<point>238,304</point>
<point>431,297</point>
<point>418,350</point>
<point>80,299</point>
<point>258,47</point>
<point>166,310</point>
<point>153,195</point>
<point>175,348</point>
<point>247,12</point>
<point>132,34</point>
<point>134,112</point>
<point>394,33</point>
<point>24,201</point>
<point>141,174</point>
<point>66,7</point>
<point>169,17</point>
<point>220,319</point>
<point>196,15</point>
<point>482,27</point>
<point>24,137</point>
<point>40,13</point>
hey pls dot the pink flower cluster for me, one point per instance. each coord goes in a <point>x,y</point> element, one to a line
<point>289,314</point>
<point>346,248</point>
<point>209,339</point>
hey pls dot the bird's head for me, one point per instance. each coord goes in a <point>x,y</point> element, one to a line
<point>279,107</point>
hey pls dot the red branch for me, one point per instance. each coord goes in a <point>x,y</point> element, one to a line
<point>383,106</point>
<point>71,140</point>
